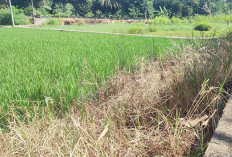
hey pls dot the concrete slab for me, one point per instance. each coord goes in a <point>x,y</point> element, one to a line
<point>221,142</point>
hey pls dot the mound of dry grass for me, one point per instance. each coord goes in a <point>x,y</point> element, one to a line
<point>162,109</point>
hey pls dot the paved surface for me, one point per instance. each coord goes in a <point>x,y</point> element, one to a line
<point>221,142</point>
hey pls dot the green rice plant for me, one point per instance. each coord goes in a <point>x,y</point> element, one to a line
<point>63,66</point>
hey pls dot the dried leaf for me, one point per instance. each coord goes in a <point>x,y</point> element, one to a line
<point>193,122</point>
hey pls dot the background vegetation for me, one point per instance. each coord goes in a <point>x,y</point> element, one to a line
<point>126,8</point>
<point>211,26</point>
<point>20,18</point>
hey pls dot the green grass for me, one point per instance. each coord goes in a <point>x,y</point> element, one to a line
<point>36,64</point>
<point>187,30</point>
<point>116,27</point>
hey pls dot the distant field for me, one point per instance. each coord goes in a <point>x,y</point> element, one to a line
<point>36,64</point>
<point>116,27</point>
<point>181,29</point>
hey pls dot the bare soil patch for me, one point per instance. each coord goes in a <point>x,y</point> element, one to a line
<point>71,21</point>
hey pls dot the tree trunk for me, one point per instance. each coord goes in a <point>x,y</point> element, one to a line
<point>33,12</point>
<point>145,13</point>
<point>11,12</point>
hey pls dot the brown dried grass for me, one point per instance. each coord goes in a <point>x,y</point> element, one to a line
<point>161,109</point>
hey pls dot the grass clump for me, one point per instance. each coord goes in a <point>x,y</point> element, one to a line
<point>203,26</point>
<point>161,20</point>
<point>176,20</point>
<point>152,28</point>
<point>53,22</point>
<point>137,30</point>
<point>141,28</point>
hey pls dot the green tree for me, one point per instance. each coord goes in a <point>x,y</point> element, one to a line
<point>148,8</point>
<point>69,9</point>
<point>58,9</point>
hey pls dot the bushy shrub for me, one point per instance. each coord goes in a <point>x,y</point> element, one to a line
<point>203,26</point>
<point>185,20</point>
<point>136,30</point>
<point>5,18</point>
<point>28,11</point>
<point>191,19</point>
<point>19,17</point>
<point>2,6</point>
<point>175,20</point>
<point>38,11</point>
<point>42,11</point>
<point>161,20</point>
<point>99,13</point>
<point>89,14</point>
<point>54,21</point>
<point>152,28</point>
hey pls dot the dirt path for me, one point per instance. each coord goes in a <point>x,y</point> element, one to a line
<point>153,36</point>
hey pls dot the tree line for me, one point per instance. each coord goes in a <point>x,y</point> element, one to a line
<point>127,8</point>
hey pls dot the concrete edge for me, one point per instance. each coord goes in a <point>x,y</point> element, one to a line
<point>221,142</point>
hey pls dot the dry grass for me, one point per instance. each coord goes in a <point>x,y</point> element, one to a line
<point>161,109</point>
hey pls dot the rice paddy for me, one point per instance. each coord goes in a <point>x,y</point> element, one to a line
<point>39,65</point>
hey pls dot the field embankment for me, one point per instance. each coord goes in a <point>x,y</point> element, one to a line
<point>164,105</point>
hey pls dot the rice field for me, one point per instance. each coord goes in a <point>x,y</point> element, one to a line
<point>62,66</point>
<point>140,116</point>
